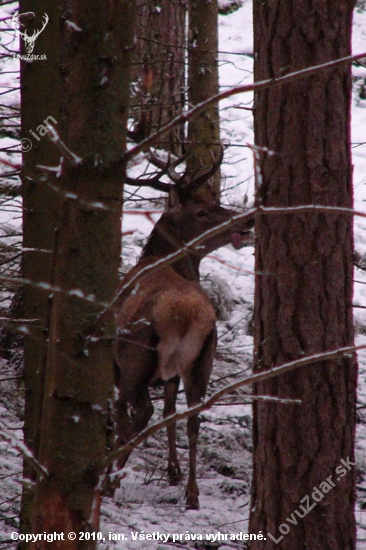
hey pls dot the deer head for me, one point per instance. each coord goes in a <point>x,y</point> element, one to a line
<point>188,216</point>
<point>28,40</point>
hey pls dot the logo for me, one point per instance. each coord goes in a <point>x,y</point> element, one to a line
<point>29,41</point>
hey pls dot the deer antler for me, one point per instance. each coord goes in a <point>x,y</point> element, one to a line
<point>153,182</point>
<point>190,183</point>
<point>169,166</point>
<point>185,183</point>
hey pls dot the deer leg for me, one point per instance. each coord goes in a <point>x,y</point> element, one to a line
<point>142,410</point>
<point>123,433</point>
<point>124,430</point>
<point>170,396</point>
<point>192,492</point>
<point>127,428</point>
<point>195,384</point>
<point>133,370</point>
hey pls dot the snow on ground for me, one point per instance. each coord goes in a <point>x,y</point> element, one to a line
<point>359,162</point>
<point>145,503</point>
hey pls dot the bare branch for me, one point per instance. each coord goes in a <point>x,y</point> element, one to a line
<point>68,154</point>
<point>181,252</point>
<point>54,289</point>
<point>27,454</point>
<point>253,379</point>
<point>154,183</point>
<point>318,208</point>
<point>263,84</point>
<point>198,241</point>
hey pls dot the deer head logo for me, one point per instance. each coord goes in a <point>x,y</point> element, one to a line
<point>28,40</point>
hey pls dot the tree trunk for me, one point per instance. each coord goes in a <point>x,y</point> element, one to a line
<point>303,299</point>
<point>159,70</point>
<point>97,43</point>
<point>39,79</point>
<point>203,83</point>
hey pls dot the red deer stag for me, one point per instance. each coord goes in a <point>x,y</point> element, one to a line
<point>165,320</point>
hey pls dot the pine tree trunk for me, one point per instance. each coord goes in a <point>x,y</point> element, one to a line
<point>96,59</point>
<point>203,83</point>
<point>303,299</point>
<point>158,70</point>
<point>40,79</point>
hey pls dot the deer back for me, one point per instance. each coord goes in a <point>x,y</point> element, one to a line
<point>175,310</point>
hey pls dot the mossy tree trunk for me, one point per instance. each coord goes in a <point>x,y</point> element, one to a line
<point>97,41</point>
<point>204,129</point>
<point>303,297</point>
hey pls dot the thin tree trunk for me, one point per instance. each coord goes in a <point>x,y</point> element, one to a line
<point>303,293</point>
<point>97,43</point>
<point>159,67</point>
<point>40,99</point>
<point>203,83</point>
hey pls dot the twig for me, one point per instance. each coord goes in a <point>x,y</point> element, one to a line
<point>269,83</point>
<point>253,379</point>
<point>231,266</point>
<point>27,454</point>
<point>55,138</point>
<point>256,398</point>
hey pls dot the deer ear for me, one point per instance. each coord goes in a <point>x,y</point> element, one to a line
<point>173,202</point>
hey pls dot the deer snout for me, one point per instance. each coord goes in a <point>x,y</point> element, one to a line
<point>243,234</point>
<point>239,239</point>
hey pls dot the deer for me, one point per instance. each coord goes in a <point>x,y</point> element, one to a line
<point>166,323</point>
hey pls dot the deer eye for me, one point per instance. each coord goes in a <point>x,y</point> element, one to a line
<point>202,213</point>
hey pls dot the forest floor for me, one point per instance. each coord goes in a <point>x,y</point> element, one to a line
<point>145,503</point>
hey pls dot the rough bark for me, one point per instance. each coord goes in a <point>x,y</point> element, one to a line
<point>159,70</point>
<point>203,83</point>
<point>40,79</point>
<point>303,292</point>
<point>96,58</point>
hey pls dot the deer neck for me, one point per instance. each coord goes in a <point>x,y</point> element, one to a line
<point>162,243</point>
<point>188,267</point>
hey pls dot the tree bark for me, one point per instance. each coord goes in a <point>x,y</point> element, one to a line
<point>40,79</point>
<point>159,67</point>
<point>303,297</point>
<point>203,83</point>
<point>97,43</point>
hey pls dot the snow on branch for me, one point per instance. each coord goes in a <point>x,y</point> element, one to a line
<point>195,243</point>
<point>189,247</point>
<point>339,353</point>
<point>261,85</point>
<point>27,454</point>
<point>309,208</point>
<point>54,289</point>
<point>61,146</point>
